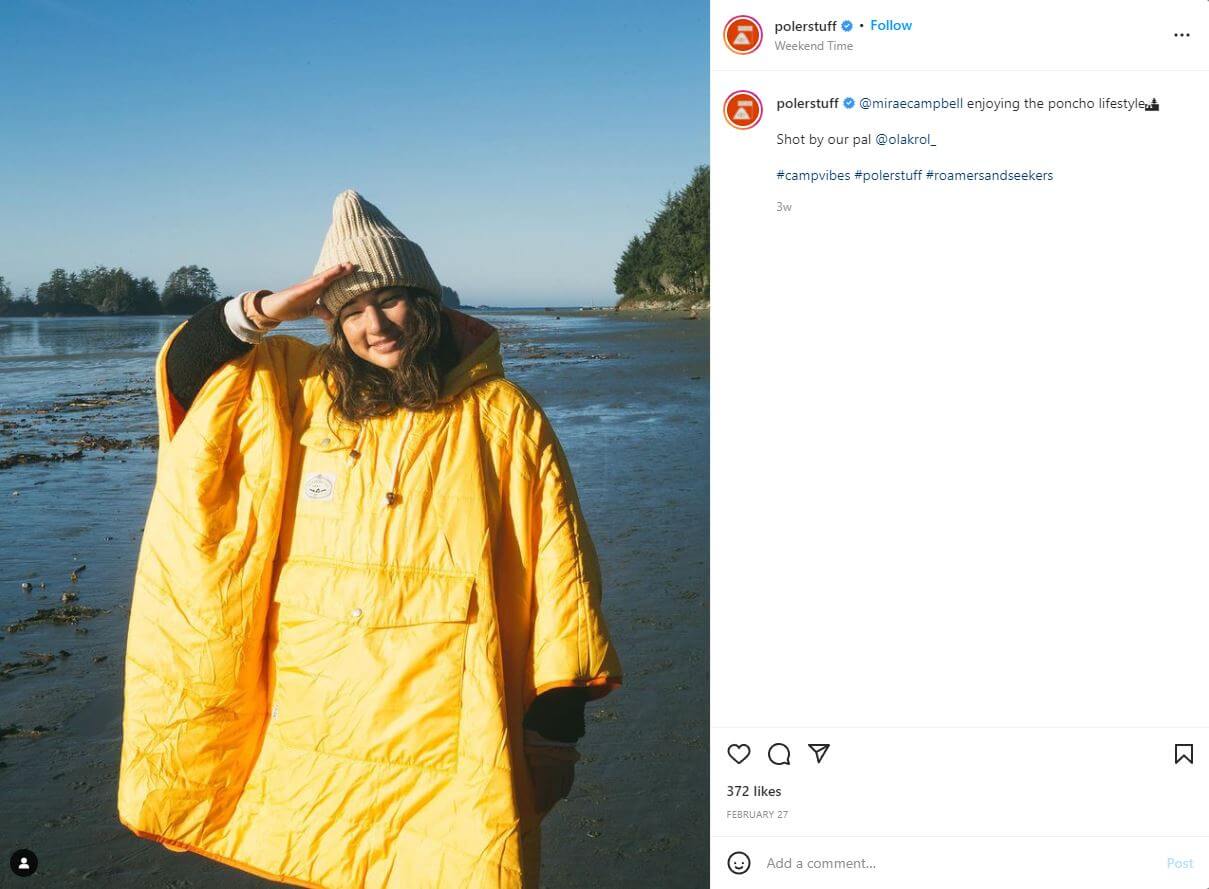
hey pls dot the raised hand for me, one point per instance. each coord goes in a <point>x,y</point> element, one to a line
<point>302,300</point>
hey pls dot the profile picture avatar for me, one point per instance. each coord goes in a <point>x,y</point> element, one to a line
<point>743,35</point>
<point>743,109</point>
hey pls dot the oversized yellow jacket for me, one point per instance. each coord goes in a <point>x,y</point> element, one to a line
<point>325,684</point>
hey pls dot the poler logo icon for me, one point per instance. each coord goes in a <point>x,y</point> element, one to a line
<point>743,109</point>
<point>318,487</point>
<point>743,35</point>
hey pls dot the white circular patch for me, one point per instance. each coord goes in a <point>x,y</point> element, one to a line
<point>318,487</point>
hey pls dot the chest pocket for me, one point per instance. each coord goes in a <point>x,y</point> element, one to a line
<point>327,482</point>
<point>370,661</point>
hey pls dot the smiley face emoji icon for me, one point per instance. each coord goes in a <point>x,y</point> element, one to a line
<point>738,863</point>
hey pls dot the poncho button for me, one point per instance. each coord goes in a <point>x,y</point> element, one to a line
<point>325,442</point>
<point>356,612</point>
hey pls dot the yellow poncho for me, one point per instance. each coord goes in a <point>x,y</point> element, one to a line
<point>326,688</point>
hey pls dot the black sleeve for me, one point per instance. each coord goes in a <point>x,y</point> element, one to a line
<point>204,345</point>
<point>558,714</point>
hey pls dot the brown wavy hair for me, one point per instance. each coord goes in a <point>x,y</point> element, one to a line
<point>360,389</point>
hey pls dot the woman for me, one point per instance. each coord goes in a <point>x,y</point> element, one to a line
<point>366,613</point>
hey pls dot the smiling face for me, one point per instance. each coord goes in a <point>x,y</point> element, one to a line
<point>738,863</point>
<point>389,349</point>
<point>373,324</point>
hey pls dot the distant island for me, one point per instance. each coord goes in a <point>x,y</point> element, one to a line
<point>106,291</point>
<point>668,266</point>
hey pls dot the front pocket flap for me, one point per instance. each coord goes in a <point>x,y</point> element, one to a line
<point>319,437</point>
<point>374,595</point>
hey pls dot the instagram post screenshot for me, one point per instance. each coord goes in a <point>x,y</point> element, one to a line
<point>354,444</point>
<point>959,524</point>
<point>381,507</point>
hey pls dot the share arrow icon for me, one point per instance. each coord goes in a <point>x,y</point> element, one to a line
<point>819,751</point>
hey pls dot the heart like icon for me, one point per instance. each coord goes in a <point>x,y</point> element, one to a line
<point>738,752</point>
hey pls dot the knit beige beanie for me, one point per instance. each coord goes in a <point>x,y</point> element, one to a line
<point>383,254</point>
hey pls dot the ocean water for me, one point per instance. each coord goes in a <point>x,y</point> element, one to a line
<point>628,397</point>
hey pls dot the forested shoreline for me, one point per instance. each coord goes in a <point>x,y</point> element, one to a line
<point>669,263</point>
<point>111,291</point>
<point>105,291</point>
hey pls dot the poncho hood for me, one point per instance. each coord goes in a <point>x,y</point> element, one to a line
<point>479,345</point>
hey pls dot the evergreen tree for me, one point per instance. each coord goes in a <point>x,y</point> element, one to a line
<point>686,247</point>
<point>6,292</point>
<point>56,291</point>
<point>672,257</point>
<point>146,297</point>
<point>75,290</point>
<point>113,292</point>
<point>625,278</point>
<point>187,290</point>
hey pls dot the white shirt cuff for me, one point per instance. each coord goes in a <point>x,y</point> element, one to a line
<point>238,322</point>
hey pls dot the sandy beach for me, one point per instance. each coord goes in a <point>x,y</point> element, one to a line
<point>629,397</point>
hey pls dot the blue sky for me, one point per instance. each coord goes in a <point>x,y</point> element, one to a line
<point>521,144</point>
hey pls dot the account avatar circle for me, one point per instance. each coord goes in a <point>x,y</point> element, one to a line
<point>743,109</point>
<point>23,862</point>
<point>738,863</point>
<point>743,35</point>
